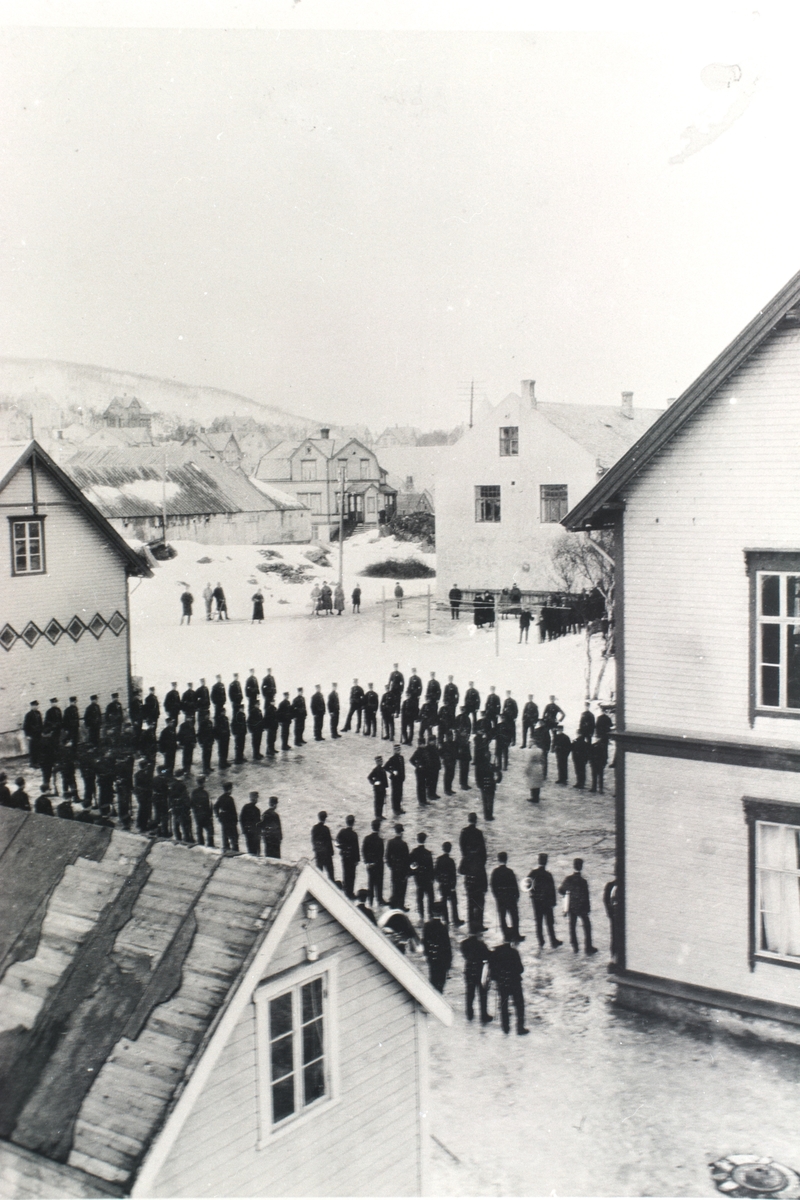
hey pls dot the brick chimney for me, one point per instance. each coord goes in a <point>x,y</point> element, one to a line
<point>528,388</point>
<point>627,405</point>
<point>325,433</point>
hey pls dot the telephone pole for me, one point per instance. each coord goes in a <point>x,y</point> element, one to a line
<point>343,476</point>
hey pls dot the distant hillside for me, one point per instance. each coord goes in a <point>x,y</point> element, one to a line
<point>48,388</point>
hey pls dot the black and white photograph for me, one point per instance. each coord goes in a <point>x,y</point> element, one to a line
<point>423,377</point>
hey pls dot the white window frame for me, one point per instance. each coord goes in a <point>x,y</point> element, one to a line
<point>27,522</point>
<point>509,441</point>
<point>364,469</point>
<point>308,470</point>
<point>783,621</point>
<point>547,499</point>
<point>485,504</point>
<point>326,968</point>
<point>760,952</point>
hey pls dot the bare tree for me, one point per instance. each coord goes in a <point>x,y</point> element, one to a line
<point>587,560</point>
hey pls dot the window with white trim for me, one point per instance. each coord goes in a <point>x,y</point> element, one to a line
<point>27,545</point>
<point>487,503</point>
<point>295,1047</point>
<point>308,469</point>
<point>777,851</point>
<point>509,440</point>
<point>778,640</point>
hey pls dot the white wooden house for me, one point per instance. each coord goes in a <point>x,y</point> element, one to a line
<point>64,623</point>
<point>181,1023</point>
<point>706,508</point>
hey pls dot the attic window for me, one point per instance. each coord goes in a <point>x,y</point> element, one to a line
<point>27,546</point>
<point>308,469</point>
<point>509,440</point>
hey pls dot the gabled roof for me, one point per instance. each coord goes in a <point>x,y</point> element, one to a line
<point>220,441</point>
<point>14,457</point>
<point>601,430</point>
<point>598,506</point>
<point>124,966</point>
<point>126,482</point>
<point>280,499</point>
<point>125,402</point>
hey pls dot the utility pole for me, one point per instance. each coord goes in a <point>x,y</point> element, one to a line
<point>164,500</point>
<point>429,609</point>
<point>471,400</point>
<point>383,614</point>
<point>496,628</point>
<point>343,472</point>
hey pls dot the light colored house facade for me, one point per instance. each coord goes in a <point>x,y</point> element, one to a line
<point>222,446</point>
<point>260,1037</point>
<point>64,622</point>
<point>127,412</point>
<point>312,471</point>
<point>706,509</point>
<point>504,487</point>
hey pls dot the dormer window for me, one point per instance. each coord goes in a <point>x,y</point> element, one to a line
<point>308,469</point>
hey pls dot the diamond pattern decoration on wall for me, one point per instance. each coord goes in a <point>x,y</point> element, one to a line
<point>31,634</point>
<point>97,626</point>
<point>76,628</point>
<point>117,623</point>
<point>53,631</point>
<point>8,635</point>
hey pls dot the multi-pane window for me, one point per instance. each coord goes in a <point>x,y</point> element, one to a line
<point>365,471</point>
<point>509,440</point>
<point>308,469</point>
<point>296,1035</point>
<point>778,640</point>
<point>553,503</point>
<point>487,503</point>
<point>27,546</point>
<point>777,900</point>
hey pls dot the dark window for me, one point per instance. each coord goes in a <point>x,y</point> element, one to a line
<point>509,440</point>
<point>298,1072</point>
<point>553,503</point>
<point>27,546</point>
<point>778,640</point>
<point>487,503</point>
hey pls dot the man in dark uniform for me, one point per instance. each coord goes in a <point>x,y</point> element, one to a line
<point>299,714</point>
<point>472,703</point>
<point>271,726</point>
<point>150,708</point>
<point>464,756</point>
<point>372,854</point>
<point>586,722</point>
<point>397,860</point>
<point>160,796</point>
<point>553,714</point>
<point>322,845</point>
<point>506,895</point>
<point>136,713</point>
<point>491,709</point>
<point>205,736</point>
<point>485,777</point>
<point>180,808</point>
<point>285,715</point>
<point>66,768</point>
<point>72,722</point>
<point>334,706</point>
<point>444,872</point>
<point>235,694</point>
<point>93,719</point>
<point>476,959</point>
<point>143,788</point>
<point>222,736</point>
<point>576,887</point>
<point>503,736</point>
<point>43,804</point>
<point>251,688</point>
<point>65,810</point>
<point>510,712</point>
<point>433,691</point>
<point>396,684</point>
<point>356,707</point>
<point>543,901</point>
<point>530,715</point>
<point>225,809</point>
<point>271,830</point>
<point>32,728</point>
<point>168,745</point>
<point>53,719</point>
<point>603,726</point>
<point>218,696</point>
<point>598,757</point>
<point>449,753</point>
<point>505,968</point>
<point>203,699</point>
<point>420,861</point>
<point>317,706</point>
<point>347,841</point>
<point>172,702</point>
<point>371,703</point>
<point>250,822</point>
<point>455,596</point>
<point>419,761</point>
<point>269,688</point>
<point>444,724</point>
<point>433,765</point>
<point>255,724</point>
<point>580,757</point>
<point>473,868</point>
<point>450,695</point>
<point>409,713</point>
<point>395,768</point>
<point>380,784</point>
<point>387,715</point>
<point>88,770</point>
<point>436,943</point>
<point>239,734</point>
<point>114,716</point>
<point>187,740</point>
<point>201,808</point>
<point>189,702</point>
<point>562,747</point>
<point>48,753</point>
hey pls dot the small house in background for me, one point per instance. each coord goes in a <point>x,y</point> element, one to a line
<point>312,471</point>
<point>706,509</point>
<point>397,435</point>
<point>504,487</point>
<point>222,446</point>
<point>409,500</point>
<point>199,1047</point>
<point>64,621</point>
<point>201,498</point>
<point>127,412</point>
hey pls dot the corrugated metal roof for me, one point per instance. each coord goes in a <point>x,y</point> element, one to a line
<point>127,483</point>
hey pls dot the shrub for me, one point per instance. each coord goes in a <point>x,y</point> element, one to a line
<point>287,573</point>
<point>399,568</point>
<point>414,527</point>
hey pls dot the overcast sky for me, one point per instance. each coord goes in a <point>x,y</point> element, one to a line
<point>354,224</point>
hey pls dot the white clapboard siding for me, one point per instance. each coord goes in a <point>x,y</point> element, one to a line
<point>729,481</point>
<point>686,882</point>
<point>367,1143</point>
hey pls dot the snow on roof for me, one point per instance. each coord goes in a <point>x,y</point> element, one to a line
<point>602,430</point>
<point>280,499</point>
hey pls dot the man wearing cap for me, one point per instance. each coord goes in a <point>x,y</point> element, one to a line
<point>255,723</point>
<point>72,722</point>
<point>530,715</point>
<point>543,900</point>
<point>250,821</point>
<point>506,895</point>
<point>317,706</point>
<point>372,854</point>
<point>371,703</point>
<point>420,861</point>
<point>168,745</point>
<point>347,841</point>
<point>576,887</point>
<point>397,860</point>
<point>205,738</point>
<point>436,942</point>
<point>505,968</point>
<point>225,809</point>
<point>473,868</point>
<point>187,740</point>
<point>562,748</point>
<point>180,808</point>
<point>32,728</point>
<point>239,734</point>
<point>251,688</point>
<point>200,802</point>
<point>172,702</point>
<point>218,695</point>
<point>222,736</point>
<point>299,713</point>
<point>271,830</point>
<point>395,768</point>
<point>285,720</point>
<point>380,782</point>
<point>114,715</point>
<point>356,708</point>
<point>445,875</point>
<point>143,788</point>
<point>92,720</point>
<point>322,845</point>
<point>472,703</point>
<point>334,706</point>
<point>151,708</point>
<point>476,959</point>
<point>160,798</point>
<point>235,694</point>
<point>189,702</point>
<point>269,688</point>
<point>202,698</point>
<point>53,718</point>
